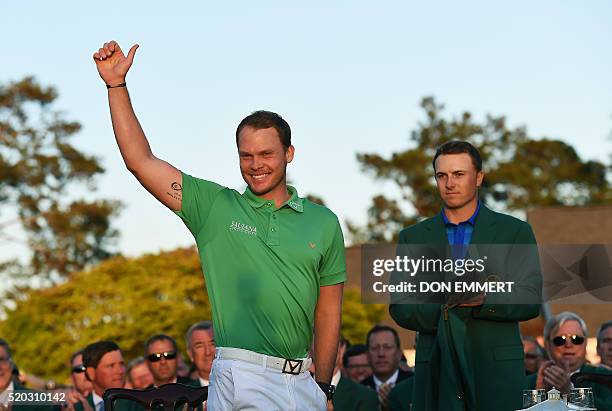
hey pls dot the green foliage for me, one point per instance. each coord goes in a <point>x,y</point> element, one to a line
<point>125,300</point>
<point>358,318</point>
<point>38,169</point>
<point>520,172</point>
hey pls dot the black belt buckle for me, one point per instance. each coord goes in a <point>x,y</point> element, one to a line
<point>292,367</point>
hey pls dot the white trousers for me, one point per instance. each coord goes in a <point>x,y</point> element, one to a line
<point>239,385</point>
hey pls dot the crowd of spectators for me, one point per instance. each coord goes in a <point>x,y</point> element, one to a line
<point>372,375</point>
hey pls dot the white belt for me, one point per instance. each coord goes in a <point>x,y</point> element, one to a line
<point>287,366</point>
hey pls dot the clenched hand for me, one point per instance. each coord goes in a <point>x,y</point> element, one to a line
<point>112,64</point>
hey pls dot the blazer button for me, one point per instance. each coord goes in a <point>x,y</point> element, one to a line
<point>491,310</point>
<point>459,396</point>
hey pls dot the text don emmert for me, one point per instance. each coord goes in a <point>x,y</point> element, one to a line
<point>445,287</point>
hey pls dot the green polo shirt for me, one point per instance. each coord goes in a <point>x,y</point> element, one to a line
<point>263,265</point>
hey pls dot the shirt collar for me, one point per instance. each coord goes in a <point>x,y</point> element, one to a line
<point>471,220</point>
<point>336,378</point>
<point>4,395</point>
<point>294,202</point>
<point>96,399</point>
<point>392,380</point>
<point>203,382</point>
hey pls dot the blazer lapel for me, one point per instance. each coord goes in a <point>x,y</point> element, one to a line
<point>484,227</point>
<point>437,231</point>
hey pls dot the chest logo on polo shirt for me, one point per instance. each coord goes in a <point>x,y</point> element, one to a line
<point>312,245</point>
<point>243,228</point>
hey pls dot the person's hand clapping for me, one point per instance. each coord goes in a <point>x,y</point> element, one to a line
<point>112,64</point>
<point>74,398</point>
<point>551,375</point>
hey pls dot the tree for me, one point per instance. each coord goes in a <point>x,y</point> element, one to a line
<point>358,318</point>
<point>39,167</point>
<point>520,172</point>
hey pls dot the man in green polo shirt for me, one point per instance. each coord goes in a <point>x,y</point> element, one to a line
<point>274,263</point>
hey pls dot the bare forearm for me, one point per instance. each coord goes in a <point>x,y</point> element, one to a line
<point>130,137</point>
<point>328,316</point>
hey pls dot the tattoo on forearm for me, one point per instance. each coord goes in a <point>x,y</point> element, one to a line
<point>177,195</point>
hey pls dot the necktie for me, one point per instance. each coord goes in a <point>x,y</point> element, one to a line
<point>100,406</point>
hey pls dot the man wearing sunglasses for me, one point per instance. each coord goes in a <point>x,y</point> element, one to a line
<point>82,386</point>
<point>161,356</point>
<point>565,337</point>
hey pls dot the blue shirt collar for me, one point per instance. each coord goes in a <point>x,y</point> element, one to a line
<point>471,220</point>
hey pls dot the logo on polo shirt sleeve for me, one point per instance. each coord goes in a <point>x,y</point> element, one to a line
<point>243,228</point>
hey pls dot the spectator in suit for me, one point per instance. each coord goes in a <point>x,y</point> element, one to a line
<point>77,374</point>
<point>355,364</point>
<point>534,354</point>
<point>161,354</point>
<point>565,337</point>
<point>9,383</point>
<point>82,387</point>
<point>350,395</point>
<point>604,344</point>
<point>200,343</point>
<point>105,368</point>
<point>384,355</point>
<point>138,374</point>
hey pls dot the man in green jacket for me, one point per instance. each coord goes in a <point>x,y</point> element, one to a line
<point>349,395</point>
<point>469,354</point>
<point>400,397</point>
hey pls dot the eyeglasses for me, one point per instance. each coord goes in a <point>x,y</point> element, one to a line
<point>561,339</point>
<point>168,355</point>
<point>78,369</point>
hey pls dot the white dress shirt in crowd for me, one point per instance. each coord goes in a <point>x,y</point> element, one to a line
<point>391,381</point>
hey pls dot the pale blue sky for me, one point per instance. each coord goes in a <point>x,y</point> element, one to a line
<point>347,76</point>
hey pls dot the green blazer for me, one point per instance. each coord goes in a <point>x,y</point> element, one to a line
<point>471,358</point>
<point>400,397</point>
<point>351,396</point>
<point>602,394</point>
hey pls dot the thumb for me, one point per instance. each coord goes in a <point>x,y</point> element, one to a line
<point>132,53</point>
<point>566,365</point>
